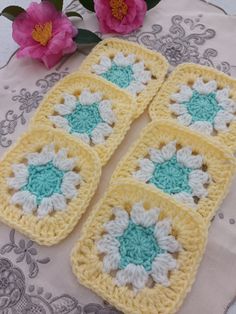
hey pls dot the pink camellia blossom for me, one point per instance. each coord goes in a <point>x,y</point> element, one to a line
<point>120,16</point>
<point>44,33</point>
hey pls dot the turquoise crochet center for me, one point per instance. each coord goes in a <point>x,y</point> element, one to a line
<point>138,246</point>
<point>44,181</point>
<point>84,118</point>
<point>119,75</point>
<point>171,176</point>
<point>202,107</point>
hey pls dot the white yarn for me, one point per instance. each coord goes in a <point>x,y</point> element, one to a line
<point>222,119</point>
<point>142,217</point>
<point>60,122</point>
<point>100,133</point>
<point>88,98</point>
<point>203,127</point>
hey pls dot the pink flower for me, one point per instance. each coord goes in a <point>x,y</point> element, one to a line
<point>44,34</point>
<point>120,16</point>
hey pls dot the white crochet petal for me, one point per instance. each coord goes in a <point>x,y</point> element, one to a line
<point>222,119</point>
<point>185,94</point>
<point>63,109</point>
<point>169,150</point>
<point>228,105</point>
<point>132,274</point>
<point>143,76</point>
<point>137,67</point>
<point>169,243</point>
<point>156,155</point>
<point>101,131</point>
<point>108,244</point>
<point>45,208</point>
<point>58,202</point>
<point>62,162</point>
<point>222,95</point>
<point>123,61</point>
<point>88,98</point>
<point>70,101</point>
<point>106,112</point>
<point>185,198</point>
<point>111,262</point>
<point>162,228</point>
<point>68,189</point>
<point>82,136</point>
<point>21,176</point>
<point>160,268</point>
<point>30,204</point>
<point>72,177</point>
<point>178,109</point>
<point>60,122</point>
<point>185,119</point>
<point>204,88</point>
<point>146,171</point>
<point>202,127</point>
<point>197,179</point>
<point>145,218</point>
<point>135,88</point>
<point>26,200</point>
<point>104,66</point>
<point>185,157</point>
<point>117,227</point>
<point>42,158</point>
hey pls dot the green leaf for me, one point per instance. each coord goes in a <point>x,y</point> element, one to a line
<point>57,3</point>
<point>73,13</point>
<point>84,37</point>
<point>151,3</point>
<point>88,4</point>
<point>12,12</point>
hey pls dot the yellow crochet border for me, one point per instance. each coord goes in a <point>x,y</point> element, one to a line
<point>154,61</point>
<point>122,105</point>
<point>188,73</point>
<point>188,228</point>
<point>55,227</point>
<point>218,159</point>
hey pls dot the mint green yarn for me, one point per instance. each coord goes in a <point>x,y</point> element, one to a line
<point>119,75</point>
<point>44,181</point>
<point>202,107</point>
<point>171,177</point>
<point>138,246</point>
<point>84,118</point>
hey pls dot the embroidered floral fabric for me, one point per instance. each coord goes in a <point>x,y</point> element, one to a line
<point>89,109</point>
<point>200,98</point>
<point>137,245</point>
<point>130,67</point>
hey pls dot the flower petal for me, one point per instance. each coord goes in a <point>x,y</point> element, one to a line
<point>42,158</point>
<point>185,94</point>
<point>185,157</point>
<point>26,200</point>
<point>63,109</point>
<point>169,150</point>
<point>62,162</point>
<point>162,228</point>
<point>222,95</point>
<point>178,109</point>
<point>58,202</point>
<point>60,122</point>
<point>160,268</point>
<point>104,66</point>
<point>70,101</point>
<point>101,131</point>
<point>121,60</point>
<point>204,88</point>
<point>21,176</point>
<point>45,208</point>
<point>156,155</point>
<point>88,98</point>
<point>197,179</point>
<point>83,137</point>
<point>135,88</point>
<point>185,198</point>
<point>68,190</point>
<point>106,112</point>
<point>137,67</point>
<point>143,76</point>
<point>72,177</point>
<point>117,227</point>
<point>228,105</point>
<point>203,127</point>
<point>108,244</point>
<point>185,119</point>
<point>143,217</point>
<point>132,274</point>
<point>169,243</point>
<point>222,119</point>
<point>146,171</point>
<point>111,262</point>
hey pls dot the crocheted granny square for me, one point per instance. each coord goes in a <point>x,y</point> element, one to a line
<point>200,98</point>
<point>89,109</point>
<point>182,164</point>
<point>139,250</point>
<point>131,67</point>
<point>47,180</point>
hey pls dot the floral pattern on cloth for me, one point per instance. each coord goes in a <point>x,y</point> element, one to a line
<point>88,117</point>
<point>203,107</point>
<point>45,182</point>
<point>138,247</point>
<point>124,72</point>
<point>177,172</point>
